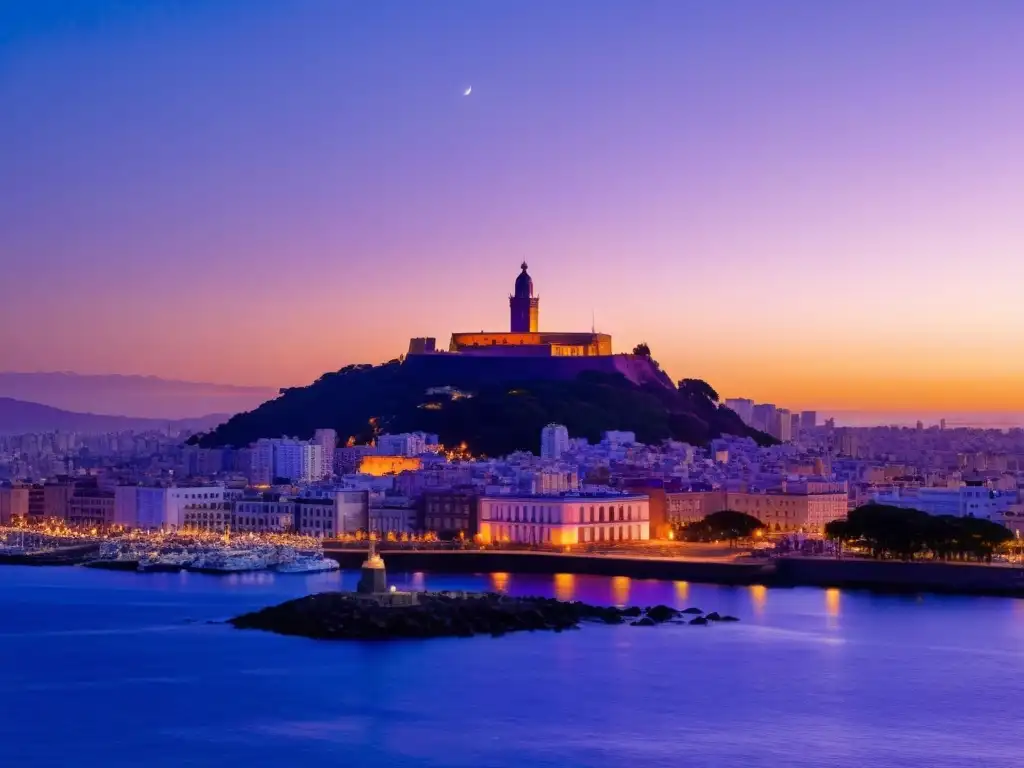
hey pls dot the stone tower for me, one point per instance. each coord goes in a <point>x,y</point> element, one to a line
<point>524,306</point>
<point>372,578</point>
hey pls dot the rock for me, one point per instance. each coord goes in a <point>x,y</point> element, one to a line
<point>692,610</point>
<point>661,613</point>
<point>713,616</point>
<point>728,618</point>
<point>347,616</point>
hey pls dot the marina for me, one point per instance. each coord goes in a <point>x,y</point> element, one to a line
<point>166,552</point>
<point>218,555</point>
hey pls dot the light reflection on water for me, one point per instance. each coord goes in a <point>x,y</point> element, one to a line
<point>832,601</point>
<point>814,677</point>
<point>759,598</point>
<point>565,586</point>
<point>682,590</point>
<point>499,582</point>
<point>620,590</point>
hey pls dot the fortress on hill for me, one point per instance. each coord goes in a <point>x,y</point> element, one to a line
<point>524,351</point>
<point>524,337</point>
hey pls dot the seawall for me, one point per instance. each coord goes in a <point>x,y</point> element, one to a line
<point>64,556</point>
<point>468,561</point>
<point>874,575</point>
<point>897,576</point>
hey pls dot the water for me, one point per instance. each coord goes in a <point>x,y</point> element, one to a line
<point>119,669</point>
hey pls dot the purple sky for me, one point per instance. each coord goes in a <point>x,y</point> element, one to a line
<point>819,204</point>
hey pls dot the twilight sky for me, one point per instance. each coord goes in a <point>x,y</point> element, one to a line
<point>818,204</point>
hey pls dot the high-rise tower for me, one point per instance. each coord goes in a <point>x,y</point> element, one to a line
<point>523,305</point>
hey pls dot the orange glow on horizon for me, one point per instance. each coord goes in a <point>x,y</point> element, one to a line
<point>908,359</point>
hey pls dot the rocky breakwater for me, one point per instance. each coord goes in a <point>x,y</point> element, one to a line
<point>349,616</point>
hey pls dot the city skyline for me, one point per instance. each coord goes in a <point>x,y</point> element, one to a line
<point>816,207</point>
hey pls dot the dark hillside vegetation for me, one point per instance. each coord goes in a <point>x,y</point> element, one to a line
<point>492,414</point>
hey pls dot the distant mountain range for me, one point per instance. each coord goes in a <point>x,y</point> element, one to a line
<point>146,397</point>
<point>20,417</point>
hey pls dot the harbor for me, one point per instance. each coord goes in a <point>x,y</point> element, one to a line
<point>167,552</point>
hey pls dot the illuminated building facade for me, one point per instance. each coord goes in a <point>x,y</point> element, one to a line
<point>799,507</point>
<point>564,520</point>
<point>13,503</point>
<point>388,465</point>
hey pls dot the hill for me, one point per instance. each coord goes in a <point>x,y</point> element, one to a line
<point>143,396</point>
<point>20,417</point>
<point>502,414</point>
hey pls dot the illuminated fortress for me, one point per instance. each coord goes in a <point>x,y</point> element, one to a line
<point>524,337</point>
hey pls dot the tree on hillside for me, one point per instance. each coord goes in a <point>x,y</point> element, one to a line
<point>506,412</point>
<point>642,349</point>
<point>697,389</point>
<point>727,524</point>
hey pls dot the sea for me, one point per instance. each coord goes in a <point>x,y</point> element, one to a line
<point>102,668</point>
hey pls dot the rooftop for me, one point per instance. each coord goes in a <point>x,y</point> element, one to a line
<point>567,496</point>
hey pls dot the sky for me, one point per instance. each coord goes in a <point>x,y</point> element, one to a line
<point>815,204</point>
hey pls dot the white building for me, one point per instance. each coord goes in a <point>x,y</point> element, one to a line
<point>293,460</point>
<point>262,514</point>
<point>808,420</point>
<point>781,426</point>
<point>333,514</point>
<point>353,508</point>
<point>261,471</point>
<point>743,408</point>
<point>288,459</point>
<point>162,507</point>
<point>217,519</point>
<point>562,520</point>
<point>762,416</point>
<point>327,439</point>
<point>394,516</point>
<point>312,467</point>
<point>554,441</point>
<point>967,500</point>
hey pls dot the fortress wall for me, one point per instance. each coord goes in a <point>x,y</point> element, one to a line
<point>478,368</point>
<point>641,370</point>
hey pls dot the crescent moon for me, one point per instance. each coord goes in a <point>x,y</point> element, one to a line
<point>468,91</point>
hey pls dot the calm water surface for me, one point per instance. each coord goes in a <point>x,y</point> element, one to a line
<point>119,669</point>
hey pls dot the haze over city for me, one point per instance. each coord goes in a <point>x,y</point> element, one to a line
<point>256,193</point>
